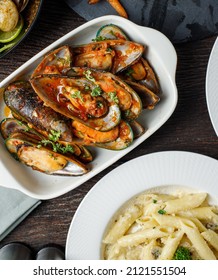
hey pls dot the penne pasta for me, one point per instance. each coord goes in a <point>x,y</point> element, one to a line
<point>185,202</point>
<point>164,227</point>
<point>171,245</point>
<point>123,223</point>
<point>139,237</point>
<point>198,242</point>
<point>211,237</point>
<point>202,213</point>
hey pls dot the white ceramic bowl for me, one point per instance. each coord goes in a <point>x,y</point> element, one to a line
<point>211,86</point>
<point>164,172</point>
<point>163,58</point>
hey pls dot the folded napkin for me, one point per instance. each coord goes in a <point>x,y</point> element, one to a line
<point>14,207</point>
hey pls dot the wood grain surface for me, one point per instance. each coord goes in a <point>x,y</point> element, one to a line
<point>188,129</point>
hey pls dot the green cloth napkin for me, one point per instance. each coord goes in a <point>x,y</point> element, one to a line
<point>14,207</point>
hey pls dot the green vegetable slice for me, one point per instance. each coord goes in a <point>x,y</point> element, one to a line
<point>6,37</point>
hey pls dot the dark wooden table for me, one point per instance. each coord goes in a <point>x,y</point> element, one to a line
<point>188,129</point>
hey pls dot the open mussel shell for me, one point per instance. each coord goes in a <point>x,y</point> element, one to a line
<point>112,32</point>
<point>151,80</point>
<point>62,94</point>
<point>118,138</point>
<point>90,135</point>
<point>41,158</point>
<point>114,89</point>
<point>139,72</point>
<point>149,98</point>
<point>137,129</point>
<point>123,141</point>
<point>123,53</point>
<point>10,126</point>
<point>24,102</point>
<point>54,62</point>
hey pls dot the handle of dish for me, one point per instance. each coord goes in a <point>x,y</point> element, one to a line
<point>164,48</point>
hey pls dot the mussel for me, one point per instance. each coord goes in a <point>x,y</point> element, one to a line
<point>123,140</point>
<point>139,75</point>
<point>118,54</point>
<point>78,98</point>
<point>54,62</point>
<point>113,89</point>
<point>27,106</point>
<point>43,159</point>
<point>11,126</point>
<point>110,32</point>
<point>90,135</point>
<point>116,139</point>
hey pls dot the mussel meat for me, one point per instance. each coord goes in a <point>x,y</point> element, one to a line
<point>119,54</point>
<point>79,99</point>
<point>124,139</point>
<point>139,75</point>
<point>54,62</point>
<point>41,158</point>
<point>113,89</point>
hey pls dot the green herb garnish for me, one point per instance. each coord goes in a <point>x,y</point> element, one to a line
<point>77,94</point>
<point>97,91</point>
<point>113,96</point>
<point>54,135</point>
<point>162,211</point>
<point>99,38</point>
<point>182,253</point>
<point>88,75</point>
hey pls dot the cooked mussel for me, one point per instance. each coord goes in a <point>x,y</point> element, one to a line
<point>24,102</point>
<point>142,73</point>
<point>11,126</point>
<point>123,140</point>
<point>78,98</point>
<point>139,75</point>
<point>90,135</point>
<point>54,62</point>
<point>137,129</point>
<point>119,54</point>
<point>41,158</point>
<point>110,32</point>
<point>113,89</point>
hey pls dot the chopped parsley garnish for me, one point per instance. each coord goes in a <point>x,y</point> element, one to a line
<point>86,88</point>
<point>99,38</point>
<point>113,96</point>
<point>99,104</point>
<point>56,147</point>
<point>161,211</point>
<point>182,253</point>
<point>54,135</point>
<point>96,91</point>
<point>77,94</point>
<point>154,201</point>
<point>88,75</point>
